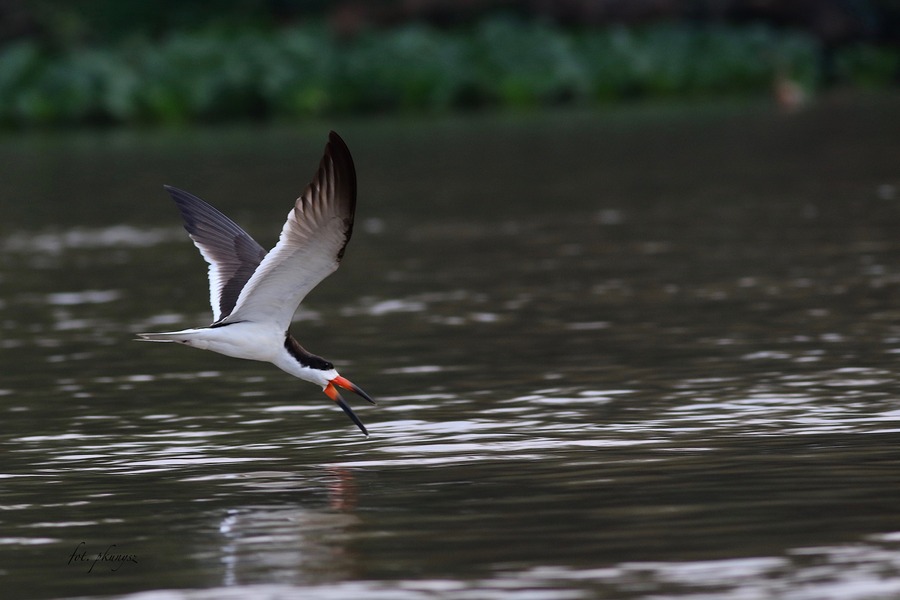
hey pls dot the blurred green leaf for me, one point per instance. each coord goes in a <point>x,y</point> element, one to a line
<point>233,73</point>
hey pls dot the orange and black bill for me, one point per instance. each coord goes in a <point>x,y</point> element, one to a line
<point>332,393</point>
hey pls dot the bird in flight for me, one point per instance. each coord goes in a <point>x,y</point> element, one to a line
<point>254,294</point>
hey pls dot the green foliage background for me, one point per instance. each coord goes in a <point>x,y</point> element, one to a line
<point>228,71</point>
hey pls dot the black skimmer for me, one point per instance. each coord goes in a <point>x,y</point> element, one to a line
<point>254,294</point>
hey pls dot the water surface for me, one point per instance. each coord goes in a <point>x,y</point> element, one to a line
<point>641,354</point>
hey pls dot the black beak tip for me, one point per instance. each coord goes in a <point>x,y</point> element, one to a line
<point>367,397</point>
<point>349,412</point>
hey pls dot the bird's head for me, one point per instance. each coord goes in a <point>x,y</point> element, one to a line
<point>332,392</point>
<point>320,371</point>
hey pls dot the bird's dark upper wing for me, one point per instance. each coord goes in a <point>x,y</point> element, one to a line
<point>232,254</point>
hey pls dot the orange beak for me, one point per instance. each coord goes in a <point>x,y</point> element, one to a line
<point>332,393</point>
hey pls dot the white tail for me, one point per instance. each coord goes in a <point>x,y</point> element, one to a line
<point>168,336</point>
<point>155,337</point>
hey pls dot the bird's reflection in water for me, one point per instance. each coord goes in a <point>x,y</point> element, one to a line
<point>291,543</point>
<point>341,489</point>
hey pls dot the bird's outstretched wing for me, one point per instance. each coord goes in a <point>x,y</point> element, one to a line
<point>232,254</point>
<point>310,246</point>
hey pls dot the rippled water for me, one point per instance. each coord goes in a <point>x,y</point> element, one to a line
<point>642,354</point>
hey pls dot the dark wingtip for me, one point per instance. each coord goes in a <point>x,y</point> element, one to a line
<point>180,196</point>
<point>336,139</point>
<point>189,206</point>
<point>345,172</point>
<point>177,192</point>
<point>343,161</point>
